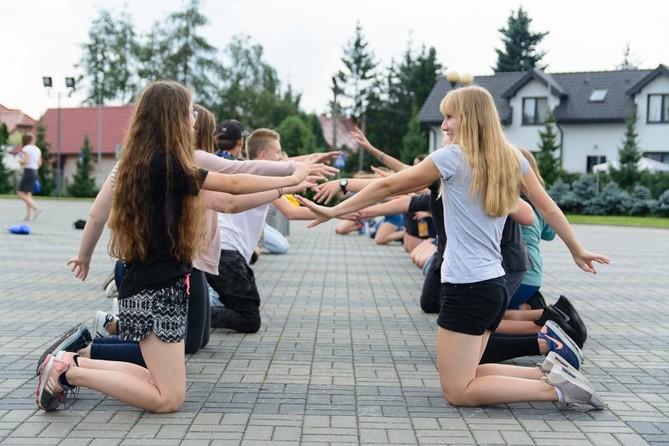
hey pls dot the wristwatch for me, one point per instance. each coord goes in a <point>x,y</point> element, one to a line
<point>342,185</point>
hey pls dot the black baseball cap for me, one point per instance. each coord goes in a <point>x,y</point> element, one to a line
<point>230,130</point>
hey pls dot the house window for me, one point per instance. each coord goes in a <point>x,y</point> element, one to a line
<point>598,94</point>
<point>658,108</point>
<point>593,160</point>
<point>662,157</point>
<point>534,110</point>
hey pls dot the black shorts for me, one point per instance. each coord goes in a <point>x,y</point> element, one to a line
<point>473,308</point>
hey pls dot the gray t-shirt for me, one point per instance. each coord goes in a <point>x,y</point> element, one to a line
<point>473,248</point>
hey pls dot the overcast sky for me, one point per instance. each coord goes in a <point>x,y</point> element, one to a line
<point>303,39</point>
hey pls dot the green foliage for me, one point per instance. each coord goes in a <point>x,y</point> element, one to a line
<point>547,160</point>
<point>108,59</point>
<point>45,173</point>
<point>296,136</point>
<point>656,182</point>
<point>642,202</point>
<point>395,96</point>
<point>6,185</point>
<point>611,201</point>
<point>83,185</point>
<point>582,198</point>
<point>662,209</point>
<point>175,50</point>
<point>355,79</point>
<point>520,53</point>
<point>250,89</point>
<point>414,143</point>
<point>628,174</point>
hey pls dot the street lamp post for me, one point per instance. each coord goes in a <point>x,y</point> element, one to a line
<point>453,77</point>
<point>47,81</point>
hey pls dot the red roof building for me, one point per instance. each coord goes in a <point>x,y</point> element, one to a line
<point>16,120</point>
<point>343,130</point>
<point>75,124</point>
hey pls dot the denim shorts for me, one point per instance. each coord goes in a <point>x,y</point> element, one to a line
<point>473,308</point>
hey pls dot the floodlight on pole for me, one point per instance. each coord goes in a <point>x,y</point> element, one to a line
<point>47,81</point>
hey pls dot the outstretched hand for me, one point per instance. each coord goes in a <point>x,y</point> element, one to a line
<point>321,157</point>
<point>327,191</point>
<point>79,267</point>
<point>305,170</point>
<point>323,213</point>
<point>584,261</point>
<point>323,169</point>
<point>360,138</point>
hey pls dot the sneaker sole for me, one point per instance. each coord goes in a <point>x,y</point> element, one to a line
<point>571,344</point>
<point>58,345</point>
<point>554,359</point>
<point>39,394</point>
<point>595,400</point>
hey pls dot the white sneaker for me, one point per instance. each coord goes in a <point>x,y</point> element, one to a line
<point>576,394</point>
<point>100,322</point>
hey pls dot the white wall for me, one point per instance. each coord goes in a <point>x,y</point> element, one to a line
<point>527,136</point>
<point>652,137</point>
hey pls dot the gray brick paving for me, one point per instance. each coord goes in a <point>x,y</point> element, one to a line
<point>344,356</point>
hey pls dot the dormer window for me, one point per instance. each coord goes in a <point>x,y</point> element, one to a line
<point>598,94</point>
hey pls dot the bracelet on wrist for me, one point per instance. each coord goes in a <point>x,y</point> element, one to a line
<point>280,190</point>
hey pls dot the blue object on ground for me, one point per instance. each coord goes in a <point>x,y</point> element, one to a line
<point>19,229</point>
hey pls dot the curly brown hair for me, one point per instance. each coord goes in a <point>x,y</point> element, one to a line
<point>160,122</point>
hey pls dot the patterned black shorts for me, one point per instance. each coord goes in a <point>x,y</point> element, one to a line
<point>160,311</point>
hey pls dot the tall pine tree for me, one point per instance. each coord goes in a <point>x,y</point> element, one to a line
<point>83,184</point>
<point>548,162</point>
<point>519,53</point>
<point>627,175</point>
<point>5,174</point>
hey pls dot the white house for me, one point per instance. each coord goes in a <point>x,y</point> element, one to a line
<point>590,110</point>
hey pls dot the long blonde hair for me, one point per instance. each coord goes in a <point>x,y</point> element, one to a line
<point>533,164</point>
<point>160,122</point>
<point>204,129</point>
<point>494,162</point>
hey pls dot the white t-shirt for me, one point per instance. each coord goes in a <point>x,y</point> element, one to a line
<point>34,156</point>
<point>473,237</point>
<point>241,232</point>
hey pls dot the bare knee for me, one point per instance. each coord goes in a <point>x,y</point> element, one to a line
<point>456,396</point>
<point>169,403</point>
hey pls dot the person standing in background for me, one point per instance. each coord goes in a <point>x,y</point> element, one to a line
<point>31,160</point>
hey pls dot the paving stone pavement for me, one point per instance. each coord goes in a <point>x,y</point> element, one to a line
<point>344,355</point>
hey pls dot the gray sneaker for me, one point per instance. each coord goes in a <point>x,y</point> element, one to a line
<point>576,394</point>
<point>554,360</point>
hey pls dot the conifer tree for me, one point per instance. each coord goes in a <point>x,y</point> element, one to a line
<point>83,185</point>
<point>548,162</point>
<point>519,53</point>
<point>627,175</point>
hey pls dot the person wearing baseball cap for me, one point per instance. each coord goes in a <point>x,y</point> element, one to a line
<point>229,138</point>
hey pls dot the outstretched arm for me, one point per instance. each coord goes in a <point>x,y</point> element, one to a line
<point>97,218</point>
<point>387,160</point>
<point>406,181</point>
<point>556,219</point>
<point>246,184</point>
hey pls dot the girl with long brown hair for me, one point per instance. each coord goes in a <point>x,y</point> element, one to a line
<point>482,176</point>
<point>157,230</point>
